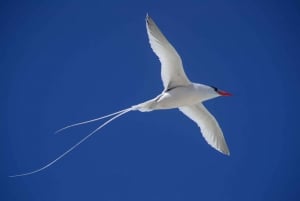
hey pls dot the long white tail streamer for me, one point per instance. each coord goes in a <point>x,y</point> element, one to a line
<point>118,114</point>
<point>89,121</point>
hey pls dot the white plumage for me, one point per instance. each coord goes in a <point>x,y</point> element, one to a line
<point>173,76</point>
<point>172,72</point>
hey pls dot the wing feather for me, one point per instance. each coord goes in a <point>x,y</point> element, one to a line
<point>210,128</point>
<point>172,72</point>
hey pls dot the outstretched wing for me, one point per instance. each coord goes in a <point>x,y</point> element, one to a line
<point>172,72</point>
<point>210,128</point>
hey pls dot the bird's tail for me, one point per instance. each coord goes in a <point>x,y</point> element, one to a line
<point>141,107</point>
<point>115,116</point>
<point>90,121</point>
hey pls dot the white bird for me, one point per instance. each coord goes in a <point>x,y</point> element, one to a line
<point>179,92</point>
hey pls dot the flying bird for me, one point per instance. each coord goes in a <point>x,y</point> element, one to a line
<point>179,92</point>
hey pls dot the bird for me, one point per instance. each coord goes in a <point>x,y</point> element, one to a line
<point>178,92</point>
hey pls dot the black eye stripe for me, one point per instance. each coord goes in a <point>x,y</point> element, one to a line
<point>215,88</point>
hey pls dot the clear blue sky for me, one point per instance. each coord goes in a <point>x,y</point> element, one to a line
<point>68,61</point>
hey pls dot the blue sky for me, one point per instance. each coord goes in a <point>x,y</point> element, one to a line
<point>69,61</point>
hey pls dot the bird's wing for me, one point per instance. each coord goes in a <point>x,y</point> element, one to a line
<point>210,128</point>
<point>172,72</point>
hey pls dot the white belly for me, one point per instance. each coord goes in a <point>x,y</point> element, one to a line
<point>180,96</point>
<point>177,97</point>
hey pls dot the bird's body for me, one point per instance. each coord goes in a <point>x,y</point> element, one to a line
<point>177,97</point>
<point>179,92</point>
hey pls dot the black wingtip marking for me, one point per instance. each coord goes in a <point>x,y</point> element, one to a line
<point>148,19</point>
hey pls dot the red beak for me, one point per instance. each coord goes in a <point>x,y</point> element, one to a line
<point>224,93</point>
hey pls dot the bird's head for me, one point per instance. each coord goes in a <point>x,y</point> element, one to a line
<point>219,92</point>
<point>209,92</point>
